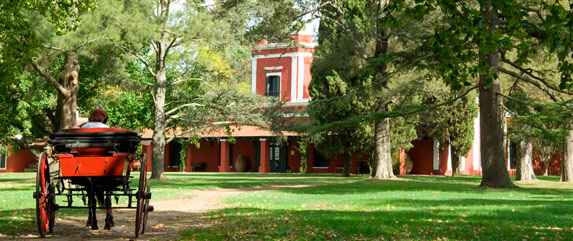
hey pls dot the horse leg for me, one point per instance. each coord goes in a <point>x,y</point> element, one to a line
<point>109,223</point>
<point>92,206</point>
<point>89,222</point>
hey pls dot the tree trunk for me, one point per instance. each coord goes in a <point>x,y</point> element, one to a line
<point>159,122</point>
<point>524,169</point>
<point>567,159</point>
<point>494,171</point>
<point>456,164</point>
<point>347,164</point>
<point>67,102</point>
<point>159,94</point>
<point>383,154</point>
<point>372,164</point>
<point>382,151</point>
<point>546,166</point>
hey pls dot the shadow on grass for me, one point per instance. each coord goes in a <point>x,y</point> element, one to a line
<point>415,184</point>
<point>19,180</point>
<point>72,227</point>
<point>21,220</point>
<point>252,223</point>
<point>238,180</point>
<point>245,174</point>
<point>18,189</point>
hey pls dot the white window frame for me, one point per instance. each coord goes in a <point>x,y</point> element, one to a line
<point>280,82</point>
<point>5,157</point>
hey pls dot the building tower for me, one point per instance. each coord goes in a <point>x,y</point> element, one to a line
<point>283,69</point>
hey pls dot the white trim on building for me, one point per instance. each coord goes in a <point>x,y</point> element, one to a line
<point>286,45</point>
<point>266,56</point>
<point>476,146</point>
<point>300,81</point>
<point>450,158</point>
<point>273,68</point>
<point>293,77</point>
<point>254,75</point>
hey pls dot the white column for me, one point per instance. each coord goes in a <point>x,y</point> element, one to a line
<point>506,144</point>
<point>450,157</point>
<point>293,77</point>
<point>476,145</point>
<point>254,75</point>
<point>463,163</point>
<point>300,80</point>
<point>436,155</point>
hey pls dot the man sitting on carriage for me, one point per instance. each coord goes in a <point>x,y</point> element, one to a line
<point>97,119</point>
<point>97,160</point>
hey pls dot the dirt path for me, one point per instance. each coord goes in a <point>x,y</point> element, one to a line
<point>169,218</point>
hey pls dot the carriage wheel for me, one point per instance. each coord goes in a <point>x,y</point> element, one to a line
<point>141,195</point>
<point>145,209</point>
<point>44,199</point>
<point>51,207</point>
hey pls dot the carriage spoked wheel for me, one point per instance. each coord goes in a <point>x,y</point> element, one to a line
<point>44,195</point>
<point>146,209</point>
<point>143,196</point>
<point>51,207</point>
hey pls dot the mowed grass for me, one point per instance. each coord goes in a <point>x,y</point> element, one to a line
<point>409,208</point>
<point>18,208</point>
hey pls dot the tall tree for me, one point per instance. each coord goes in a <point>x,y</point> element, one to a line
<point>524,155</point>
<point>24,27</point>
<point>453,123</point>
<point>567,159</point>
<point>527,107</point>
<point>366,33</point>
<point>549,124</point>
<point>185,47</point>
<point>162,26</point>
<point>331,101</point>
<point>476,39</point>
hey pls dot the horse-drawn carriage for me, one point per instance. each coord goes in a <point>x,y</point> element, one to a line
<point>89,164</point>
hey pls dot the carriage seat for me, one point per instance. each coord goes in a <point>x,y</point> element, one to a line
<point>94,141</point>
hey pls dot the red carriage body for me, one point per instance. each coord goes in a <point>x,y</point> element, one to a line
<point>95,151</point>
<point>94,160</point>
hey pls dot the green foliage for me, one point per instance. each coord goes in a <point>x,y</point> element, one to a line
<point>452,123</point>
<point>303,149</point>
<point>548,123</point>
<point>338,140</point>
<point>206,66</point>
<point>336,94</point>
<point>24,104</point>
<point>273,20</point>
<point>183,153</point>
<point>460,33</point>
<point>537,117</point>
<point>26,99</point>
<point>126,109</point>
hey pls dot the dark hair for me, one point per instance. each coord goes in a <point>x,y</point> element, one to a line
<point>98,115</point>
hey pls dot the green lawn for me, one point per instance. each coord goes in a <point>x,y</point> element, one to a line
<point>411,208</point>
<point>18,213</point>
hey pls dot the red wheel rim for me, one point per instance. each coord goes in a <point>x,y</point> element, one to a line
<point>42,182</point>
